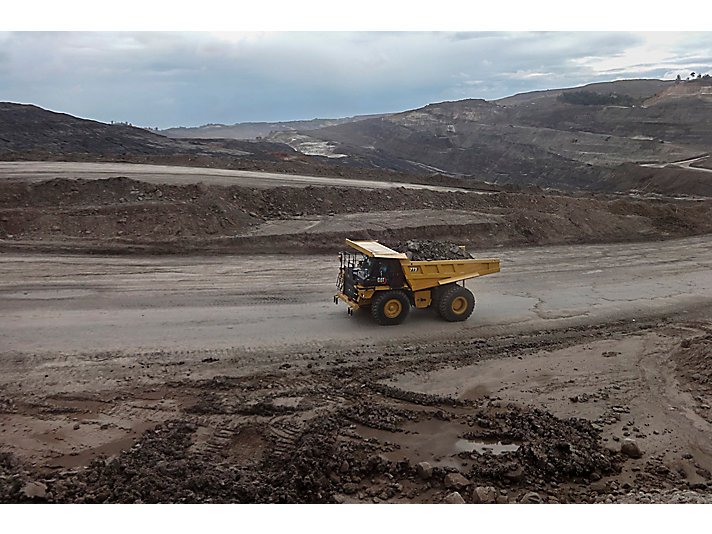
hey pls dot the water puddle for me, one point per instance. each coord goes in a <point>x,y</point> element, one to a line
<point>435,441</point>
<point>287,402</point>
<point>484,447</point>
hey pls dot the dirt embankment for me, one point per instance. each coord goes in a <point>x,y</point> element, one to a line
<point>692,360</point>
<point>704,163</point>
<point>124,215</point>
<point>664,181</point>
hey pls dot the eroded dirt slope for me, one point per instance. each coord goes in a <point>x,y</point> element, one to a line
<point>124,215</point>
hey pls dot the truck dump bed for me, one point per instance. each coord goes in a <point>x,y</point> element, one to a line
<point>428,274</point>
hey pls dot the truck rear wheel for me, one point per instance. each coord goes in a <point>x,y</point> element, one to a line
<point>456,303</point>
<point>390,307</point>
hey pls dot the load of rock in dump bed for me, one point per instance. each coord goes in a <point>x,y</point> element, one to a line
<point>430,250</point>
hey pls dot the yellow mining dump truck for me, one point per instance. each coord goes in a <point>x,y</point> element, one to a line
<point>389,283</point>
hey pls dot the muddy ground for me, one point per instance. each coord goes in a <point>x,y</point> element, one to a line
<point>235,379</point>
<point>536,417</point>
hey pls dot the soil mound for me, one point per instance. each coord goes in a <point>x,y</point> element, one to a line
<point>693,369</point>
<point>663,181</point>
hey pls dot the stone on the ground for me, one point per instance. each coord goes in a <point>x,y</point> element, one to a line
<point>454,498</point>
<point>34,489</point>
<point>350,488</point>
<point>629,447</point>
<point>516,474</point>
<point>600,487</point>
<point>424,470</point>
<point>484,495</point>
<point>531,498</point>
<point>456,481</point>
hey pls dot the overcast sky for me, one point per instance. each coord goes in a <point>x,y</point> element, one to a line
<point>164,79</point>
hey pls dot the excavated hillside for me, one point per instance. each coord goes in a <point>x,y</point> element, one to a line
<point>43,134</point>
<point>638,89</point>
<point>596,137</point>
<point>567,139</point>
<point>30,133</point>
<point>252,130</point>
<point>700,88</point>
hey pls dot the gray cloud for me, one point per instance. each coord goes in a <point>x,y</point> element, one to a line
<point>167,78</point>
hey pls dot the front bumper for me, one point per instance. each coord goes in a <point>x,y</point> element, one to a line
<point>351,304</point>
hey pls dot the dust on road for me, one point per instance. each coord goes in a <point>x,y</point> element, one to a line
<point>74,303</point>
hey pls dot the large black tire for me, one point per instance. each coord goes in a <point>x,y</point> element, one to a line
<point>365,308</point>
<point>390,307</point>
<point>435,295</point>
<point>455,303</point>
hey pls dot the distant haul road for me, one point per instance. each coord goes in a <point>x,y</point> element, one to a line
<point>32,171</point>
<point>685,164</point>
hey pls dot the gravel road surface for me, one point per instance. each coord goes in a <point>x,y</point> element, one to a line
<point>76,303</point>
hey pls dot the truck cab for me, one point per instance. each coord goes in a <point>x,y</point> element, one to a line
<point>371,272</point>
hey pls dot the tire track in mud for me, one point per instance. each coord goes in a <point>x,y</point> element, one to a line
<point>284,437</point>
<point>221,439</point>
<point>336,390</point>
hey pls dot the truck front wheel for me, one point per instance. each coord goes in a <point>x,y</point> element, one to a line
<point>456,303</point>
<point>390,307</point>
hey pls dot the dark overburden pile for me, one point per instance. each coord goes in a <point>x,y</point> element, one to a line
<point>430,250</point>
<point>552,449</point>
<point>11,478</point>
<point>326,463</point>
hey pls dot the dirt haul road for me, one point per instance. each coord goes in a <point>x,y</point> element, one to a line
<point>236,379</point>
<point>86,303</point>
<point>31,171</point>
